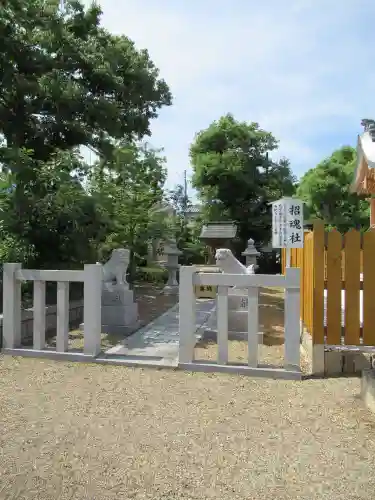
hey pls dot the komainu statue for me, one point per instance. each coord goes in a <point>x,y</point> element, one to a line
<point>228,263</point>
<point>114,270</point>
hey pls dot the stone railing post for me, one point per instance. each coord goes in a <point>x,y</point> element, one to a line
<point>11,306</point>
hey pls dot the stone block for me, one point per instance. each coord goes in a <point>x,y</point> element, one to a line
<point>368,389</point>
<point>237,327</point>
<point>117,297</point>
<point>237,321</point>
<point>361,362</point>
<point>120,315</point>
<point>333,362</point>
<point>237,301</point>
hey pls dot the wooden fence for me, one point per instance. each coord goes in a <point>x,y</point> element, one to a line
<point>337,286</point>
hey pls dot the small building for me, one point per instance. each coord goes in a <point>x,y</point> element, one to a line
<point>192,213</point>
<point>218,235</point>
<point>364,176</point>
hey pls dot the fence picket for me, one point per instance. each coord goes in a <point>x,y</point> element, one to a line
<point>305,304</point>
<point>11,306</point>
<point>368,288</point>
<point>316,265</point>
<point>222,324</point>
<point>334,287</point>
<point>39,307</point>
<point>62,314</point>
<point>252,326</point>
<point>186,315</point>
<point>352,287</point>
<point>292,330</point>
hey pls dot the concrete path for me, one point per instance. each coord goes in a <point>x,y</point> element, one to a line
<point>157,343</point>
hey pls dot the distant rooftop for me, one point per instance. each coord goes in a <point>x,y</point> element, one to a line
<point>219,230</point>
<point>195,209</point>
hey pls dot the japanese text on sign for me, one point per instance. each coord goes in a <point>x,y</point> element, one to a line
<point>287,224</point>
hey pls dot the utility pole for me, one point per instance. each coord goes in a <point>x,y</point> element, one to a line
<point>185,195</point>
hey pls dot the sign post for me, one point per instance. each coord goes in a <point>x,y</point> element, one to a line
<point>287,225</point>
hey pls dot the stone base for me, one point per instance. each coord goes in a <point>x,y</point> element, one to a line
<point>120,314</point>
<point>340,361</point>
<point>237,321</point>
<point>237,300</point>
<point>237,327</point>
<point>117,295</point>
<point>171,290</point>
<point>368,389</point>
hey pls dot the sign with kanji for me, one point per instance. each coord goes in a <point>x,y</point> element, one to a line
<point>287,223</point>
<point>205,291</point>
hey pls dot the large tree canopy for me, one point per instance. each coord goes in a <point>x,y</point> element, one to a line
<point>325,191</point>
<point>234,176</point>
<point>66,81</point>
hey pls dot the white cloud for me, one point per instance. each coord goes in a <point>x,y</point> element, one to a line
<point>301,69</point>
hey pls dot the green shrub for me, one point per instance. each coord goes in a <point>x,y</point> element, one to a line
<point>157,275</point>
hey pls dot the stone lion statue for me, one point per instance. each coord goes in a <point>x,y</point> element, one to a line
<point>116,267</point>
<point>228,263</point>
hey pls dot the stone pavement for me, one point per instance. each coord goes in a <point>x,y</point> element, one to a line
<point>157,343</point>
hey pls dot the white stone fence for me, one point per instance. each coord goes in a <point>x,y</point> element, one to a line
<point>189,278</point>
<point>27,319</point>
<point>14,275</point>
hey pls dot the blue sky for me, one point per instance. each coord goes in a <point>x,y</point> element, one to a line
<point>302,69</point>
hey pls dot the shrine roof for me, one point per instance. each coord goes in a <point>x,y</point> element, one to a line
<point>364,175</point>
<point>219,230</point>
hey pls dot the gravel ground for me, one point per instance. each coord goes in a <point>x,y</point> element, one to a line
<point>81,431</point>
<point>77,431</point>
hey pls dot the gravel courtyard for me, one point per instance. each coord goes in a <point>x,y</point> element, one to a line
<point>77,431</point>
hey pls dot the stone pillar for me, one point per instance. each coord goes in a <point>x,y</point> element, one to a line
<point>251,253</point>
<point>172,253</point>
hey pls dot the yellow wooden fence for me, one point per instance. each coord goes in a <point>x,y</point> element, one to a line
<point>334,262</point>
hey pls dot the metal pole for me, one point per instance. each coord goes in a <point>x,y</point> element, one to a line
<point>287,257</point>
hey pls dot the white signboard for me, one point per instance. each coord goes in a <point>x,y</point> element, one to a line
<point>287,223</point>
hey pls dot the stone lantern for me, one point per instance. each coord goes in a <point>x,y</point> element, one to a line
<point>251,253</point>
<point>172,254</point>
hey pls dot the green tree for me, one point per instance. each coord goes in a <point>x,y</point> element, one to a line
<point>180,202</point>
<point>325,191</point>
<point>187,233</point>
<point>51,222</point>
<point>127,189</point>
<point>235,178</point>
<point>66,81</point>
